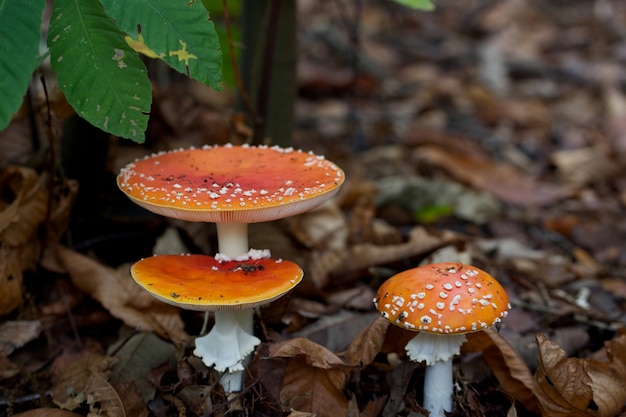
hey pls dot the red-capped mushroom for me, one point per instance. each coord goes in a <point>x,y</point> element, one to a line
<point>201,282</point>
<point>442,302</point>
<point>231,186</point>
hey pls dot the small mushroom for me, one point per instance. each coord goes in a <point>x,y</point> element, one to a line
<point>202,282</point>
<point>442,302</point>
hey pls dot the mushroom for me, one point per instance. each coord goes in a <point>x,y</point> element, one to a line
<point>442,302</point>
<point>226,287</point>
<point>231,186</point>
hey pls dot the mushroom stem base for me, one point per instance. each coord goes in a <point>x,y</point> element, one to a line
<point>225,347</point>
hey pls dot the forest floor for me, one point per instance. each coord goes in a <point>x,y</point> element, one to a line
<point>491,133</point>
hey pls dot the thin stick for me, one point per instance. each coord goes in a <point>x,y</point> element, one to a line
<point>233,58</point>
<point>266,74</point>
<point>51,169</point>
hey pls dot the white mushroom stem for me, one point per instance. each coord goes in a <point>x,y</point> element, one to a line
<point>437,350</point>
<point>225,347</point>
<point>232,239</point>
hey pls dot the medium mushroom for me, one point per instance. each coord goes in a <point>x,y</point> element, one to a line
<point>442,302</point>
<point>226,287</point>
<point>231,186</point>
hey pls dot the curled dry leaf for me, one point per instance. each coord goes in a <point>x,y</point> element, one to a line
<point>578,387</point>
<point>507,365</point>
<point>500,180</point>
<point>86,377</point>
<point>315,355</point>
<point>47,412</point>
<point>16,333</point>
<point>324,227</point>
<point>124,299</point>
<point>313,380</point>
<point>367,344</point>
<point>85,381</point>
<point>20,218</point>
<point>362,256</point>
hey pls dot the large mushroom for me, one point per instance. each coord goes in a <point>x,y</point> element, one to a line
<point>226,287</point>
<point>231,186</point>
<point>442,302</point>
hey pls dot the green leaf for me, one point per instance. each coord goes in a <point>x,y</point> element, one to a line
<point>180,32</point>
<point>20,36</point>
<point>101,76</point>
<point>417,4</point>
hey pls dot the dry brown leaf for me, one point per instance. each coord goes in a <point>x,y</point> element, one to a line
<point>47,412</point>
<point>507,365</point>
<point>7,368</point>
<point>578,387</point>
<point>11,269</point>
<point>313,389</point>
<point>500,180</point>
<point>365,347</point>
<point>86,381</point>
<point>124,299</point>
<point>20,217</point>
<point>314,378</point>
<point>315,355</point>
<point>16,333</point>
<point>324,227</point>
<point>197,398</point>
<point>134,405</point>
<point>362,256</point>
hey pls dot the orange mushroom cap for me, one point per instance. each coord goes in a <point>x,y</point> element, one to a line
<point>444,298</point>
<point>200,282</point>
<point>238,184</point>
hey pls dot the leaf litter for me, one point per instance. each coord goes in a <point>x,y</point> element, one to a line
<point>491,133</point>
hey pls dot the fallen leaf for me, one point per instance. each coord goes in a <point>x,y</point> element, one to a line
<point>507,365</point>
<point>47,412</point>
<point>21,216</point>
<point>500,180</point>
<point>22,210</point>
<point>86,381</point>
<point>313,389</point>
<point>577,387</point>
<point>316,355</point>
<point>314,378</point>
<point>136,357</point>
<point>368,344</point>
<point>337,330</point>
<point>132,401</point>
<point>362,256</point>
<point>124,299</point>
<point>15,334</point>
<point>197,398</point>
<point>324,227</point>
<point>7,368</point>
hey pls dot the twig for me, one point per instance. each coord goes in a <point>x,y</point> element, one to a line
<point>231,400</point>
<point>51,169</point>
<point>266,72</point>
<point>233,58</point>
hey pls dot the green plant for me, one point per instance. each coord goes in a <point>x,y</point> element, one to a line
<point>417,4</point>
<point>100,74</point>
